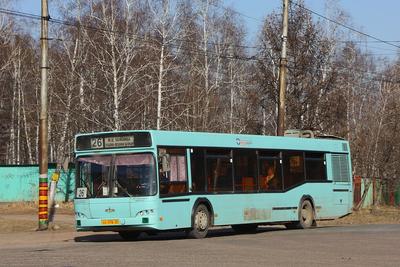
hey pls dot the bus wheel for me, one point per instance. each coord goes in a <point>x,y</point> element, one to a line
<point>306,215</point>
<point>250,228</point>
<point>201,222</point>
<point>129,235</point>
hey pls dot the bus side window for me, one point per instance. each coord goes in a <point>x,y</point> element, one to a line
<point>245,170</point>
<point>293,168</point>
<point>173,175</point>
<point>197,170</point>
<point>315,167</point>
<point>270,171</point>
<point>219,170</point>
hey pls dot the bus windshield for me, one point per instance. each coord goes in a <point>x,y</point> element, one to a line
<point>125,175</point>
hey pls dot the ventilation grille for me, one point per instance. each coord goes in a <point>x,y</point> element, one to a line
<point>340,171</point>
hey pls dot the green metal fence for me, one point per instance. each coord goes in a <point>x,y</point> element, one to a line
<point>21,183</point>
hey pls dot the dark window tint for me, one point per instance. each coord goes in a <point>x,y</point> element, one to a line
<point>268,154</point>
<point>293,168</point>
<point>270,174</point>
<point>218,152</point>
<point>245,170</point>
<point>197,167</point>
<point>173,180</point>
<point>219,171</point>
<point>315,167</point>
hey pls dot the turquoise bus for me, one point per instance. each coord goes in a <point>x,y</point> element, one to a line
<point>132,182</point>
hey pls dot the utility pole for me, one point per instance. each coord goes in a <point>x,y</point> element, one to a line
<point>282,71</point>
<point>43,125</point>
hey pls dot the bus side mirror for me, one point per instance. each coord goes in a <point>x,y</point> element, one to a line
<point>165,163</point>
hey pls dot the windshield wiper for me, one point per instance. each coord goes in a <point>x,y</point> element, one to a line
<point>122,188</point>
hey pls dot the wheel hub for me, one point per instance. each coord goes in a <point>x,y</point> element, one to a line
<point>201,220</point>
<point>306,214</point>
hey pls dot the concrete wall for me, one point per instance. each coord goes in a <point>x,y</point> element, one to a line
<point>20,183</point>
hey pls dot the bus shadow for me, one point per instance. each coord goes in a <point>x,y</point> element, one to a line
<point>171,235</point>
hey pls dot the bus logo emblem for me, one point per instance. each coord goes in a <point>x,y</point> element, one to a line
<point>240,142</point>
<point>109,210</point>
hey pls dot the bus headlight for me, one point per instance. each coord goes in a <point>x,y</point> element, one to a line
<point>145,212</point>
<point>80,214</point>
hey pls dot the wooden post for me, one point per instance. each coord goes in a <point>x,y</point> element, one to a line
<point>43,124</point>
<point>282,72</point>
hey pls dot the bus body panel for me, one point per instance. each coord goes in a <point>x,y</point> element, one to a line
<point>175,212</point>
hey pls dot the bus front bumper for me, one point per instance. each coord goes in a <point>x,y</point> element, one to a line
<point>117,224</point>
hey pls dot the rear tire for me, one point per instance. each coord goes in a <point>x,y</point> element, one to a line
<point>129,235</point>
<point>201,222</point>
<point>306,215</point>
<point>245,228</point>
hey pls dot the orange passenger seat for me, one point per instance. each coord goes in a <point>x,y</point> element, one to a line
<point>248,184</point>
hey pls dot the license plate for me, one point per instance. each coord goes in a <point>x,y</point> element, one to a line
<point>110,222</point>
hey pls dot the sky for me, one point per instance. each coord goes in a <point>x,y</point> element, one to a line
<point>379,18</point>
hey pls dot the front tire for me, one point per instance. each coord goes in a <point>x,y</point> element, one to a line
<point>201,222</point>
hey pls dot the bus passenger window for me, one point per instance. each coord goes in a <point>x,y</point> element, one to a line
<point>245,170</point>
<point>173,178</point>
<point>315,167</point>
<point>197,170</point>
<point>293,168</point>
<point>270,172</point>
<point>219,170</point>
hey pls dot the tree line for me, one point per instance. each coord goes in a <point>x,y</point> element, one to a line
<point>187,65</point>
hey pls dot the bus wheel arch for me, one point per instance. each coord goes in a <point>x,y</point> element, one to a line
<point>201,219</point>
<point>206,203</point>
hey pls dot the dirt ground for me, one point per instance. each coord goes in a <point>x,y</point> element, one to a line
<point>373,215</point>
<point>22,217</point>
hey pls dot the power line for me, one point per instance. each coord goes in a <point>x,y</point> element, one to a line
<point>366,41</point>
<point>344,25</point>
<point>20,14</point>
<point>376,40</point>
<point>121,33</point>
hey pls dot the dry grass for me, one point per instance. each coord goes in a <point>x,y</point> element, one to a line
<point>373,215</point>
<point>22,216</point>
<point>32,207</point>
<point>12,225</point>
